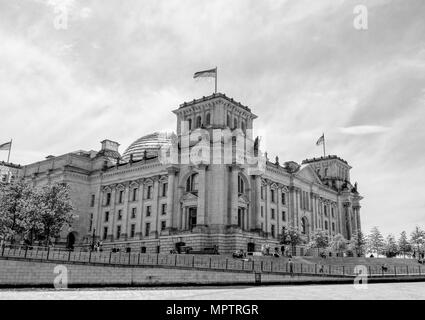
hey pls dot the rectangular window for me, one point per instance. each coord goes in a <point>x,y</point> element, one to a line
<point>106,216</point>
<point>262,212</point>
<point>119,214</point>
<point>262,226</point>
<point>149,192</point>
<point>134,198</point>
<point>163,225</point>
<point>326,225</point>
<point>147,228</point>
<point>273,214</point>
<point>273,231</point>
<point>132,230</point>
<point>262,193</point>
<point>148,211</point>
<point>108,198</point>
<point>105,233</point>
<point>118,232</point>
<point>326,211</point>
<point>133,213</point>
<point>333,226</point>
<point>333,214</point>
<point>91,222</point>
<point>92,200</point>
<point>164,189</point>
<point>164,208</point>
<point>272,195</point>
<point>120,197</point>
<point>283,198</point>
<point>283,216</point>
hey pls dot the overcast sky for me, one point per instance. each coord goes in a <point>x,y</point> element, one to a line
<point>120,67</point>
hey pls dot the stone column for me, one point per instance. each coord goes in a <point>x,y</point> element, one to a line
<point>257,213</point>
<point>125,229</point>
<point>172,214</point>
<point>234,195</point>
<point>140,216</point>
<point>267,208</point>
<point>279,211</point>
<point>359,225</point>
<point>291,206</point>
<point>155,197</point>
<point>200,214</point>
<point>112,215</point>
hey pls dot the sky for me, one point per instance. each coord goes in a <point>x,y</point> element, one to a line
<point>115,69</point>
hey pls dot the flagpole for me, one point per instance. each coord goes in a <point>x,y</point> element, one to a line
<point>8,156</point>
<point>216,74</point>
<point>324,145</point>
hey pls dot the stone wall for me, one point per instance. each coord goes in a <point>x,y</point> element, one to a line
<point>20,273</point>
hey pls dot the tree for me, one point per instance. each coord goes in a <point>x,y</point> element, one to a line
<point>291,236</point>
<point>417,239</point>
<point>404,244</point>
<point>338,243</point>
<point>357,243</point>
<point>391,248</point>
<point>375,241</point>
<point>54,210</point>
<point>12,198</point>
<point>320,240</point>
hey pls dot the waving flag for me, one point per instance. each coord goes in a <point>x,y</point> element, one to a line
<point>6,146</point>
<point>206,73</point>
<point>321,140</point>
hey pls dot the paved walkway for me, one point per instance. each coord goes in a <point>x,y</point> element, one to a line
<point>377,291</point>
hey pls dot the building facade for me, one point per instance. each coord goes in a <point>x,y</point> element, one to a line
<point>195,188</point>
<point>9,172</point>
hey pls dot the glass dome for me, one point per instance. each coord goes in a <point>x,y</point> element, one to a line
<point>150,143</point>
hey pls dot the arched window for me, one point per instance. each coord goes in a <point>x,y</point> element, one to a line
<point>326,172</point>
<point>243,127</point>
<point>192,183</point>
<point>208,119</point>
<point>190,124</point>
<point>198,121</point>
<point>235,123</point>
<point>241,185</point>
<point>228,120</point>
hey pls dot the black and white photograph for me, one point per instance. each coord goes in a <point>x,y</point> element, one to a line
<point>216,150</point>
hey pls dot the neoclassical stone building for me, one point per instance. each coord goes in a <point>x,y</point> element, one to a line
<point>144,201</point>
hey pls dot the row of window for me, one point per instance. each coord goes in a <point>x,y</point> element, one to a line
<point>273,195</point>
<point>148,211</point>
<point>272,214</point>
<point>132,230</point>
<point>198,122</point>
<point>134,194</point>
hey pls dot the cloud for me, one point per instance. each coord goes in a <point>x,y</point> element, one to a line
<point>119,69</point>
<point>366,129</point>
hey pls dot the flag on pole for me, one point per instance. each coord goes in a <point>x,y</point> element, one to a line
<point>321,140</point>
<point>6,146</point>
<point>212,73</point>
<point>206,73</point>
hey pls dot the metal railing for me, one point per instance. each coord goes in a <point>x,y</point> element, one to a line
<point>209,262</point>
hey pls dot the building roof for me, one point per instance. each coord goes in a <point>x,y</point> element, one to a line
<point>10,165</point>
<point>329,157</point>
<point>214,96</point>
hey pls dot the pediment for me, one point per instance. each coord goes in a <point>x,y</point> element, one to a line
<point>244,199</point>
<point>188,196</point>
<point>307,173</point>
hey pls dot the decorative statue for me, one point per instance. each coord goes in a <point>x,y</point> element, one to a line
<point>277,160</point>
